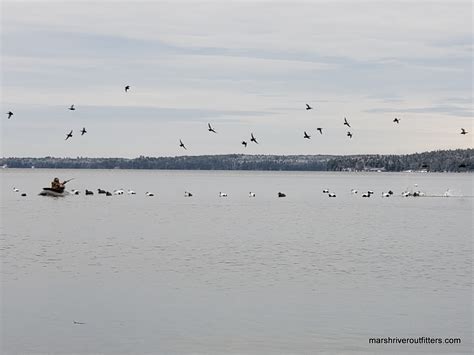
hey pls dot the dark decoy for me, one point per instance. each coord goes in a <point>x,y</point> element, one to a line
<point>210,129</point>
<point>462,165</point>
<point>23,195</point>
<point>83,131</point>
<point>346,123</point>
<point>390,192</point>
<point>463,131</point>
<point>396,120</point>
<point>187,194</point>
<point>88,192</point>
<point>349,134</point>
<point>72,108</point>
<point>320,130</point>
<point>149,194</point>
<point>127,88</point>
<point>308,107</point>
<point>306,135</point>
<point>69,135</point>
<point>181,144</point>
<point>281,194</point>
<point>74,322</point>
<point>244,143</point>
<point>108,193</point>
<point>100,191</point>
<point>252,138</point>
<point>10,114</point>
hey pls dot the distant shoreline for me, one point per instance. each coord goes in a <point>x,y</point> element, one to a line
<point>458,160</point>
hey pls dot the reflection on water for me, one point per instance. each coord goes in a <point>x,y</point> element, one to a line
<point>205,274</point>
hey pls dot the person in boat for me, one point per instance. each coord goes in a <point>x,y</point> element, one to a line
<point>56,185</point>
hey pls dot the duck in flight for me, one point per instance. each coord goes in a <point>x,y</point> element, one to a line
<point>308,107</point>
<point>306,135</point>
<point>69,135</point>
<point>72,108</point>
<point>463,131</point>
<point>10,114</point>
<point>320,130</point>
<point>244,143</point>
<point>346,123</point>
<point>181,144</point>
<point>83,131</point>
<point>127,88</point>
<point>252,138</point>
<point>396,120</point>
<point>210,129</point>
<point>349,134</point>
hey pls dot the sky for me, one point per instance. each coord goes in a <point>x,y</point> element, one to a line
<point>243,66</point>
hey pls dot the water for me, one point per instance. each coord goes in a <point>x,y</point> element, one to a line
<point>169,274</point>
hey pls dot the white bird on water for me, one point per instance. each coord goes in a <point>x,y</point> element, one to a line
<point>251,194</point>
<point>222,194</point>
<point>16,190</point>
<point>131,192</point>
<point>149,194</point>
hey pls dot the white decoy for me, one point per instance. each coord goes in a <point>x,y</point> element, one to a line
<point>150,194</point>
<point>222,194</point>
<point>331,194</point>
<point>447,193</point>
<point>385,194</point>
<point>16,190</point>
<point>405,194</point>
<point>325,191</point>
<point>118,192</point>
<point>75,192</point>
<point>251,194</point>
<point>354,191</point>
<point>187,194</point>
<point>370,192</point>
<point>366,194</point>
<point>131,192</point>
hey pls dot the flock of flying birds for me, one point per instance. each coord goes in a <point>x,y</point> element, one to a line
<point>244,143</point>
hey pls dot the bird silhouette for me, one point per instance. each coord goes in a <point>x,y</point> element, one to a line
<point>72,108</point>
<point>252,138</point>
<point>463,131</point>
<point>181,144</point>
<point>10,114</point>
<point>346,123</point>
<point>396,120</point>
<point>320,130</point>
<point>69,135</point>
<point>74,322</point>
<point>127,88</point>
<point>349,134</point>
<point>308,107</point>
<point>210,129</point>
<point>306,135</point>
<point>83,131</point>
<point>244,143</point>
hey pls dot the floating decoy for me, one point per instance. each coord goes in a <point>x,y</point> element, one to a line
<point>325,191</point>
<point>187,194</point>
<point>23,195</point>
<point>16,190</point>
<point>463,131</point>
<point>222,194</point>
<point>88,192</point>
<point>244,143</point>
<point>349,134</point>
<point>181,144</point>
<point>10,114</point>
<point>108,193</point>
<point>346,123</point>
<point>149,194</point>
<point>396,120</point>
<point>354,191</point>
<point>69,135</point>
<point>75,192</point>
<point>72,108</point>
<point>366,194</point>
<point>306,135</point>
<point>74,322</point>
<point>252,138</point>
<point>390,192</point>
<point>127,88</point>
<point>131,192</point>
<point>281,194</point>
<point>320,130</point>
<point>331,194</point>
<point>210,129</point>
<point>100,191</point>
<point>83,131</point>
<point>308,107</point>
<point>370,192</point>
<point>385,194</point>
<point>251,194</point>
<point>119,192</point>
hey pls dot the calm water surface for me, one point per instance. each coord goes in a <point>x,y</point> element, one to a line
<point>169,274</point>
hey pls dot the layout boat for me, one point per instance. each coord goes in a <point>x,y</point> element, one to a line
<point>47,191</point>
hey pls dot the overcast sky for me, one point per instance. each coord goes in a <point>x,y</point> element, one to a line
<point>242,66</point>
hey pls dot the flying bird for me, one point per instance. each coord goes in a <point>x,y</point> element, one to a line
<point>72,108</point>
<point>69,135</point>
<point>127,88</point>
<point>244,143</point>
<point>349,134</point>
<point>210,129</point>
<point>308,107</point>
<point>181,144</point>
<point>306,135</point>
<point>396,120</point>
<point>252,138</point>
<point>346,123</point>
<point>83,131</point>
<point>463,131</point>
<point>320,130</point>
<point>10,114</point>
